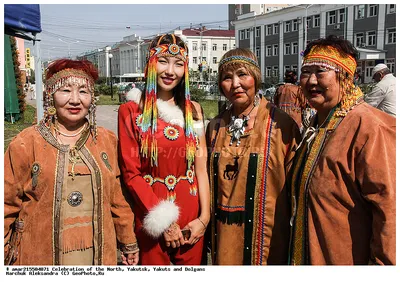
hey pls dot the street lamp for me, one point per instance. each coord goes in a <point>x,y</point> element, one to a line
<point>69,46</point>
<point>111,80</point>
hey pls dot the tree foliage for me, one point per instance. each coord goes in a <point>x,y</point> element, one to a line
<point>18,76</point>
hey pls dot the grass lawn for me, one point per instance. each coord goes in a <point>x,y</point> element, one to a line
<point>12,129</point>
<point>106,100</point>
<point>210,108</point>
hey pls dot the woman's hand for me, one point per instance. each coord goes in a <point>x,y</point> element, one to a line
<point>197,228</point>
<point>173,236</point>
<point>130,259</point>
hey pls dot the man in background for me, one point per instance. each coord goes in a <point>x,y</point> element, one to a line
<point>383,95</point>
<point>290,98</point>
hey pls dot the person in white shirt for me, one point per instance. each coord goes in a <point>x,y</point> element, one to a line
<point>383,95</point>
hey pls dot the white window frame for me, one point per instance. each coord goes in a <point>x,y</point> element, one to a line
<point>371,35</point>
<point>286,51</point>
<point>258,31</point>
<point>308,22</point>
<point>214,47</point>
<point>268,71</point>
<point>390,9</point>
<point>215,60</point>
<point>331,17</point>
<point>241,34</point>
<point>194,60</point>
<point>391,65</point>
<point>194,46</point>
<point>275,71</point>
<point>258,52</point>
<point>224,47</point>
<point>373,7</point>
<point>275,50</point>
<point>317,21</point>
<point>268,51</point>
<point>204,46</point>
<point>247,33</point>
<point>391,35</point>
<point>268,29</point>
<point>341,15</point>
<point>275,29</point>
<point>295,25</point>
<point>287,26</point>
<point>359,39</point>
<point>285,68</point>
<point>358,9</point>
<point>294,68</point>
<point>295,48</point>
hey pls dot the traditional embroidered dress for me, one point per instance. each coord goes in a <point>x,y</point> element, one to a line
<point>162,194</point>
<point>249,198</point>
<point>72,214</point>
<point>290,99</point>
<point>344,183</point>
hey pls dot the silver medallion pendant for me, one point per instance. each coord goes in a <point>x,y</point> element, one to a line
<point>75,198</point>
<point>236,128</point>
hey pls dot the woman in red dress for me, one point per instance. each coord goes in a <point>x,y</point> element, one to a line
<point>163,159</point>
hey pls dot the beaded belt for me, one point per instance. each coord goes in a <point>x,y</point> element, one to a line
<point>171,181</point>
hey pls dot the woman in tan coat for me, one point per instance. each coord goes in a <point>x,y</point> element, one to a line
<point>63,202</point>
<point>252,145</point>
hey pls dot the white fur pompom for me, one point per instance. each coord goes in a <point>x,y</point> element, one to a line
<point>160,217</point>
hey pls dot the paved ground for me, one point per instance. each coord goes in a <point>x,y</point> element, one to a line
<point>106,115</point>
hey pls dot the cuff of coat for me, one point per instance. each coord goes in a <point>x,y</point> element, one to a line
<point>160,217</point>
<point>129,248</point>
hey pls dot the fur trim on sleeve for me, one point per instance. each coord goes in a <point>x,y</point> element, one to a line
<point>160,217</point>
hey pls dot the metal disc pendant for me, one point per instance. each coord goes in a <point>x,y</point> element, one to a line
<point>75,198</point>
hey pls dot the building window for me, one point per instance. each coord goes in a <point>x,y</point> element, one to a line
<point>390,64</point>
<point>224,47</point>
<point>371,38</point>
<point>391,35</point>
<point>372,10</point>
<point>276,28</point>
<point>317,20</point>
<point>214,60</point>
<point>247,33</point>
<point>268,72</point>
<point>287,26</point>
<point>194,60</point>
<point>360,12</point>
<point>286,68</point>
<point>241,34</point>
<point>391,8</point>
<point>204,59</point>
<point>275,50</point>
<point>258,31</point>
<point>359,39</point>
<point>275,71</point>
<point>294,68</point>
<point>269,51</point>
<point>258,52</point>
<point>287,49</point>
<point>342,16</point>
<point>194,46</point>
<point>295,25</point>
<point>295,48</point>
<point>214,47</point>
<point>269,30</point>
<point>204,46</point>
<point>308,23</point>
<point>331,17</point>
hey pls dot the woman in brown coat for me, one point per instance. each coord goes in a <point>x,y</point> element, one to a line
<point>63,202</point>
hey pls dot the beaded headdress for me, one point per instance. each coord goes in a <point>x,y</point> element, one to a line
<point>64,77</point>
<point>342,63</point>
<point>238,59</point>
<point>149,121</point>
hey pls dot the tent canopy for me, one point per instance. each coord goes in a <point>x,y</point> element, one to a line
<point>22,19</point>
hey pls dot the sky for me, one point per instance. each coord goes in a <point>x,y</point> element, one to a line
<point>99,25</point>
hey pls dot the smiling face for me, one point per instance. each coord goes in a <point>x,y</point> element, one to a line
<point>320,86</point>
<point>170,71</point>
<point>72,104</point>
<point>238,86</point>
